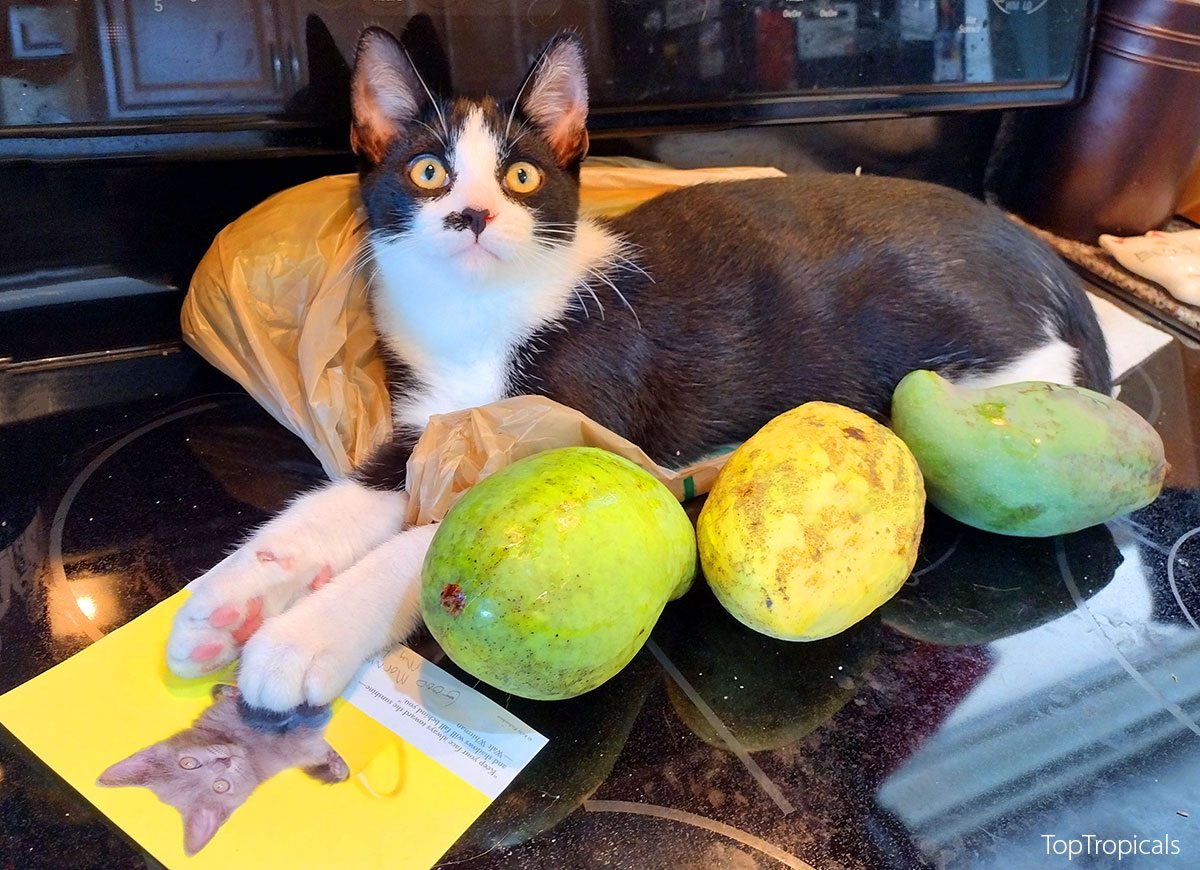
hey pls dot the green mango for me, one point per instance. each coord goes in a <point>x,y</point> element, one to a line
<point>547,577</point>
<point>1032,459</point>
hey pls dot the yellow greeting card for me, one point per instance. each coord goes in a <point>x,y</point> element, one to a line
<point>425,753</point>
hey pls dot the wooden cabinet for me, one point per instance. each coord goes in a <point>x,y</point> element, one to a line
<point>168,57</point>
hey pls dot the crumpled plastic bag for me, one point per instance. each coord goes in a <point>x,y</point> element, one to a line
<point>458,450</point>
<point>279,305</point>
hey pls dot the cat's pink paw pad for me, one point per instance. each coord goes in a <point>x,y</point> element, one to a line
<point>254,619</point>
<point>323,577</point>
<point>206,652</point>
<point>202,642</point>
<point>224,616</point>
<point>230,602</point>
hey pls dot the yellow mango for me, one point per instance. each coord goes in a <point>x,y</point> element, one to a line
<point>813,523</point>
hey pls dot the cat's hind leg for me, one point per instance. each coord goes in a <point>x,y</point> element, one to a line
<point>309,653</point>
<point>321,534</point>
<point>1054,361</point>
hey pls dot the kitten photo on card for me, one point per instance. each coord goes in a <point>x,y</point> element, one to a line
<point>685,325</point>
<point>209,769</point>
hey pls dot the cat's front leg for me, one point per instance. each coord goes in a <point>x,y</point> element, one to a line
<point>309,653</point>
<point>320,535</point>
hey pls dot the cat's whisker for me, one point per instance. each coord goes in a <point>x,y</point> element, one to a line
<point>582,304</point>
<point>536,257</point>
<point>354,263</point>
<point>599,304</point>
<point>621,296</point>
<point>555,242</point>
<point>361,264</point>
<point>436,134</point>
<point>621,261</point>
<point>364,258</point>
<point>521,135</point>
<point>436,107</point>
<point>600,276</point>
<point>349,268</point>
<point>545,257</point>
<point>512,111</point>
<point>615,260</point>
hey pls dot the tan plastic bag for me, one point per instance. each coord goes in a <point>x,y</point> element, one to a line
<point>278,304</point>
<point>458,450</point>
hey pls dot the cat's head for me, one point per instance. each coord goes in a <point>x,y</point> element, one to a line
<point>202,772</point>
<point>481,187</point>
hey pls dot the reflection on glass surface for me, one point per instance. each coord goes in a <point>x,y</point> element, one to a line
<point>105,61</point>
<point>674,50</point>
<point>1014,688</point>
<point>1055,737</point>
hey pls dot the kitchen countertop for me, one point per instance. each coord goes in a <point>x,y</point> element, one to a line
<point>1015,694</point>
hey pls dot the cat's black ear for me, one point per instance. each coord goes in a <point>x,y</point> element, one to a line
<point>555,98</point>
<point>386,93</point>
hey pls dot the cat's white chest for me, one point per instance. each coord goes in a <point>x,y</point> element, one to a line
<point>457,338</point>
<point>457,341</point>
<point>459,334</point>
<point>452,388</point>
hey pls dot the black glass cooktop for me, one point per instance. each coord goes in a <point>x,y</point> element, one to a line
<point>1015,696</point>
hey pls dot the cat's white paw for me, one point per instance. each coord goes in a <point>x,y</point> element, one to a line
<point>320,535</point>
<point>230,602</point>
<point>299,657</point>
<point>311,652</point>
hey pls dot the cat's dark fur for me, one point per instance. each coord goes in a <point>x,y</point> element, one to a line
<point>743,300</point>
<point>207,771</point>
<point>762,295</point>
<point>684,325</point>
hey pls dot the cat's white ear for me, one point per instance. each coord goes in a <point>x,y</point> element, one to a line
<point>200,824</point>
<point>555,98</point>
<point>386,93</point>
<point>137,769</point>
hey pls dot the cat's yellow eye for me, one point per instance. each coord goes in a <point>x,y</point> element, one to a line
<point>523,177</point>
<point>188,763</point>
<point>428,172</point>
<point>221,786</point>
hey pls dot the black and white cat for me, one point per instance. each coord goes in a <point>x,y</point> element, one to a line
<point>684,325</point>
